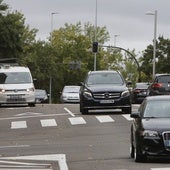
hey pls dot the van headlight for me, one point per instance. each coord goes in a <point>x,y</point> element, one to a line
<point>125,93</point>
<point>2,90</point>
<point>30,89</point>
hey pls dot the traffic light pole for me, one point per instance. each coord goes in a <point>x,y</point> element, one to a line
<point>133,57</point>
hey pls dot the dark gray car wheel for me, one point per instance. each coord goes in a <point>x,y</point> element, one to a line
<point>127,110</point>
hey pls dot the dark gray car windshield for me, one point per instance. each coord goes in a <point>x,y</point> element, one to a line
<point>157,109</point>
<point>15,78</point>
<point>104,78</point>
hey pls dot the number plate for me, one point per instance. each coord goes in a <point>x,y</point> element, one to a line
<point>106,101</point>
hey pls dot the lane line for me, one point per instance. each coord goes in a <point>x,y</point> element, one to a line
<point>48,122</point>
<point>18,125</point>
<point>127,117</point>
<point>104,119</point>
<point>69,112</point>
<point>47,115</point>
<point>14,146</point>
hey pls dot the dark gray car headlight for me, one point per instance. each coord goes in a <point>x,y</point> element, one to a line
<point>125,93</point>
<point>150,133</point>
<point>87,94</point>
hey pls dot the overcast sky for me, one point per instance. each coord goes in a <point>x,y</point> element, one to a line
<point>126,18</point>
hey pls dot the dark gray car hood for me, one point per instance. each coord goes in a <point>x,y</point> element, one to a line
<point>114,88</point>
<point>158,124</point>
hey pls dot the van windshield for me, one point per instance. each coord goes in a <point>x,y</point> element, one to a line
<point>15,78</point>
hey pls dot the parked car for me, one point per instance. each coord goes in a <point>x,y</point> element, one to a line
<point>139,92</point>
<point>70,94</point>
<point>150,129</point>
<point>160,85</point>
<point>41,96</point>
<point>104,90</point>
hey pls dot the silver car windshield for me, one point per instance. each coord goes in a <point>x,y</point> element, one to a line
<point>157,109</point>
<point>15,78</point>
<point>104,78</point>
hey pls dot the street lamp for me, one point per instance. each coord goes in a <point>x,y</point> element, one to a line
<point>154,42</point>
<point>115,36</point>
<point>50,94</point>
<point>95,38</point>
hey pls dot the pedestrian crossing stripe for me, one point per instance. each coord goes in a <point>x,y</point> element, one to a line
<point>77,120</point>
<point>48,122</point>
<point>18,125</point>
<point>104,119</point>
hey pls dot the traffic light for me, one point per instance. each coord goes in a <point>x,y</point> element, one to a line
<point>95,47</point>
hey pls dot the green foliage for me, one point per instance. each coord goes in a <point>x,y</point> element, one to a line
<point>15,37</point>
<point>162,58</point>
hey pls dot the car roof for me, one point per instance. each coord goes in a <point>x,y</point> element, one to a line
<point>162,74</point>
<point>14,69</point>
<point>103,71</point>
<point>158,98</point>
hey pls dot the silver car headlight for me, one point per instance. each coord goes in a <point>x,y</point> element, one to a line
<point>125,93</point>
<point>150,133</point>
<point>87,94</point>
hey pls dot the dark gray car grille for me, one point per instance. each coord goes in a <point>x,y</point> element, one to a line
<point>106,95</point>
<point>166,139</point>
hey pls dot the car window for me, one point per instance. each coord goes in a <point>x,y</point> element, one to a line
<point>157,109</point>
<point>71,89</point>
<point>104,78</point>
<point>163,79</point>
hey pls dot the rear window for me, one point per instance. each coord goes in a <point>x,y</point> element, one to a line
<point>104,78</point>
<point>163,79</point>
<point>15,78</point>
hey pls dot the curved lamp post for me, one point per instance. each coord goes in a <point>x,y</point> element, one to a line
<point>154,42</point>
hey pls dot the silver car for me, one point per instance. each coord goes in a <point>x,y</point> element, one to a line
<point>70,94</point>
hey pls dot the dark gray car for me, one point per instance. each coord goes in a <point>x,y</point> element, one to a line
<point>104,90</point>
<point>160,85</point>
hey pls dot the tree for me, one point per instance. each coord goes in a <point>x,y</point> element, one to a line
<point>162,58</point>
<point>15,37</point>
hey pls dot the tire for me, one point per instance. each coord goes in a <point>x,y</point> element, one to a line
<point>127,110</point>
<point>139,157</point>
<point>31,104</point>
<point>131,151</point>
<point>83,110</point>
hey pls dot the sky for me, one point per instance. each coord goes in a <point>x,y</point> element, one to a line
<point>126,21</point>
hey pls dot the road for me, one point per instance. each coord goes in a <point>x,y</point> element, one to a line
<point>58,137</point>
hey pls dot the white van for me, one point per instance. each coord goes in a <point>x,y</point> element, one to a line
<point>16,85</point>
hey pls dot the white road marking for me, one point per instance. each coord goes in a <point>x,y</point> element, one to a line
<point>160,168</point>
<point>14,146</point>
<point>127,117</point>
<point>104,119</point>
<point>60,158</point>
<point>48,122</point>
<point>18,125</point>
<point>46,115</point>
<point>69,112</point>
<point>77,120</point>
<point>29,114</point>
